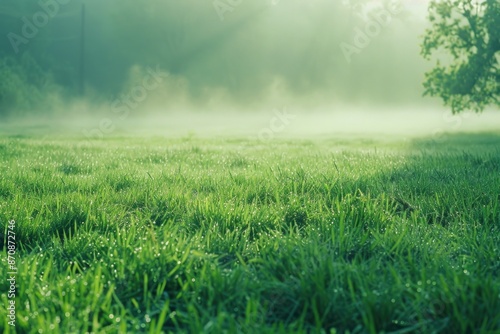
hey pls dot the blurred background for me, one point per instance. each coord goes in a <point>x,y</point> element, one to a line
<point>349,63</point>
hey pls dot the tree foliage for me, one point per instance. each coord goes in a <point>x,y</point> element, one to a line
<point>468,31</point>
<point>27,83</point>
<point>24,86</point>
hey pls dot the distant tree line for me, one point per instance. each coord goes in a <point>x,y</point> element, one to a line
<point>31,76</point>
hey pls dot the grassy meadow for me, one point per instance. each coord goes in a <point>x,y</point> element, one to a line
<point>192,235</point>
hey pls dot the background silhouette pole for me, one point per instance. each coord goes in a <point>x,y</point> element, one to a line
<point>82,53</point>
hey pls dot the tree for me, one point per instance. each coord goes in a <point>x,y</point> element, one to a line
<point>468,32</point>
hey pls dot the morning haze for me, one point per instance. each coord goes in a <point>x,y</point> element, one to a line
<point>252,57</point>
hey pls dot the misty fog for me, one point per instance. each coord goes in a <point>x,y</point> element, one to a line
<point>221,67</point>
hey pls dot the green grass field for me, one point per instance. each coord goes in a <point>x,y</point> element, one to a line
<point>152,235</point>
